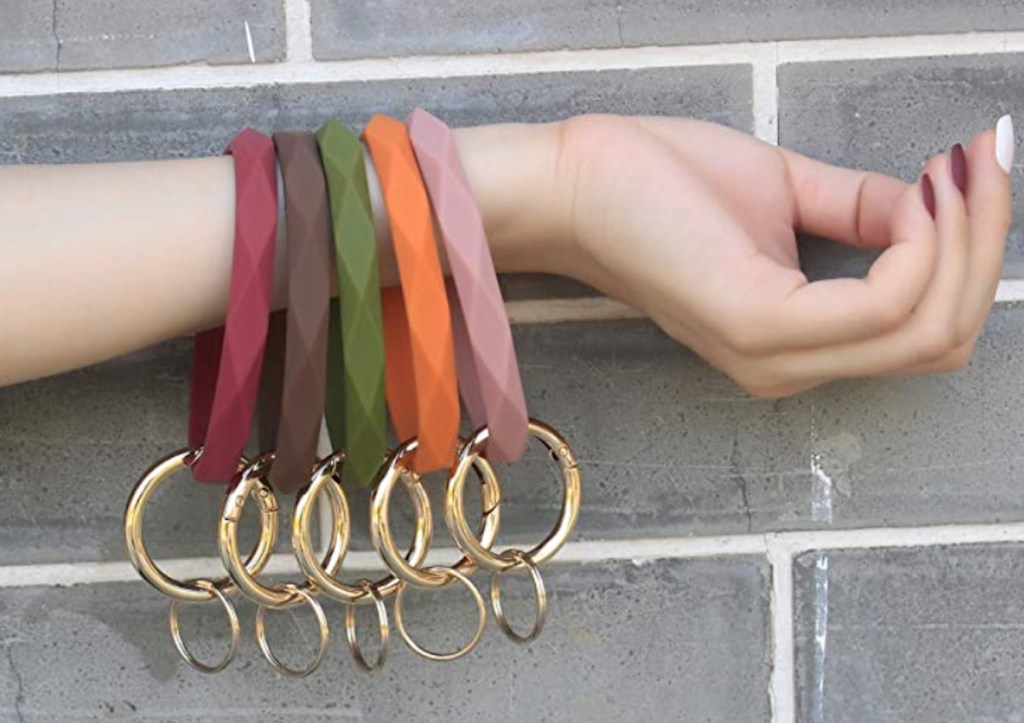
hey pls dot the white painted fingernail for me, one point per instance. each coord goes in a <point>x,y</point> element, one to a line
<point>1005,143</point>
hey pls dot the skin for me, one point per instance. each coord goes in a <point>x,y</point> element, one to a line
<point>692,223</point>
<point>695,225</point>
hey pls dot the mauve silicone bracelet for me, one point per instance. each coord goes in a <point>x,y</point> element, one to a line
<point>420,356</point>
<point>485,354</point>
<point>227,361</point>
<point>356,418</point>
<point>309,294</point>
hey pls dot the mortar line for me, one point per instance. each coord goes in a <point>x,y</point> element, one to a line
<point>298,31</point>
<point>304,70</point>
<point>639,551</point>
<point>765,95</point>
<point>782,684</point>
<point>600,308</point>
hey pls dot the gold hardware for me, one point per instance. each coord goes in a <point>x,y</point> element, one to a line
<point>395,468</point>
<point>295,595</point>
<point>481,617</point>
<point>278,595</point>
<point>383,626</point>
<point>455,517</point>
<point>325,475</point>
<point>143,562</point>
<point>179,643</point>
<point>520,558</point>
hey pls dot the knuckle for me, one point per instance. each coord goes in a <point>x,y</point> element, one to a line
<point>937,340</point>
<point>891,315</point>
<point>958,359</point>
<point>740,335</point>
<point>964,333</point>
<point>755,382</point>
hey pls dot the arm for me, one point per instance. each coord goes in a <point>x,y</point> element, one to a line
<point>100,260</point>
<point>692,223</point>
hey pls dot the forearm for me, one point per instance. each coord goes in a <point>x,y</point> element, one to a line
<point>100,260</point>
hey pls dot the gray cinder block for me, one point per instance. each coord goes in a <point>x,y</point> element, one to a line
<point>27,42</point>
<point>353,29</point>
<point>74,35</point>
<point>671,640</point>
<point>149,124</point>
<point>912,635</point>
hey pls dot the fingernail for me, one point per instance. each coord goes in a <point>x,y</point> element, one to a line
<point>958,165</point>
<point>928,192</point>
<point>1005,143</point>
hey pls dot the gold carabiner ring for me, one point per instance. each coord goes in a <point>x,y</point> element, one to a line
<point>179,642</point>
<point>140,557</point>
<point>540,594</point>
<point>383,626</point>
<point>480,625</point>
<point>455,516</point>
<point>396,466</point>
<point>296,594</point>
<point>325,475</point>
<point>231,512</point>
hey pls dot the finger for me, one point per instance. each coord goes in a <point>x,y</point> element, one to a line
<point>854,207</point>
<point>989,204</point>
<point>836,311</point>
<point>930,333</point>
<point>955,361</point>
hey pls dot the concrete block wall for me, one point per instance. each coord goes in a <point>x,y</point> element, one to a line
<point>851,554</point>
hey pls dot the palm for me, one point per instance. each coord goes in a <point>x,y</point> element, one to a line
<point>718,200</point>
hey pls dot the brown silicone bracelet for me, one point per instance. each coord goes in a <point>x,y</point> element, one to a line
<point>309,294</point>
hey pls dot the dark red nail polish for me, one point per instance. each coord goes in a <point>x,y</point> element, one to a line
<point>958,165</point>
<point>928,191</point>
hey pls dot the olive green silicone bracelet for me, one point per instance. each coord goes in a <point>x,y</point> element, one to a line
<point>355,381</point>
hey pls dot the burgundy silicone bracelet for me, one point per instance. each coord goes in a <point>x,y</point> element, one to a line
<point>227,361</point>
<point>485,354</point>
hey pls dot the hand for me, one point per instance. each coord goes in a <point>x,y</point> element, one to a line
<point>695,225</point>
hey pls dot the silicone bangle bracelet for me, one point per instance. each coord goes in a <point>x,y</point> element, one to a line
<point>420,371</point>
<point>488,372</point>
<point>268,403</point>
<point>309,295</point>
<point>227,360</point>
<point>355,389</point>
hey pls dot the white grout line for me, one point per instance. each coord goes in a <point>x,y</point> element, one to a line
<point>300,68</point>
<point>907,46</point>
<point>782,685</point>
<point>946,535</point>
<point>600,308</point>
<point>765,88</point>
<point>298,31</point>
<point>553,311</point>
<point>776,546</point>
<point>1010,290</point>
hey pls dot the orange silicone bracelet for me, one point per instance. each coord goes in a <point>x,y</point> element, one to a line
<point>418,346</point>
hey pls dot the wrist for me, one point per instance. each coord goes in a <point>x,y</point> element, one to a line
<point>524,191</point>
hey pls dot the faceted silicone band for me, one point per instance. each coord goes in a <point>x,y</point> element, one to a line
<point>488,372</point>
<point>355,386</point>
<point>268,403</point>
<point>309,294</point>
<point>227,361</point>
<point>420,371</point>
